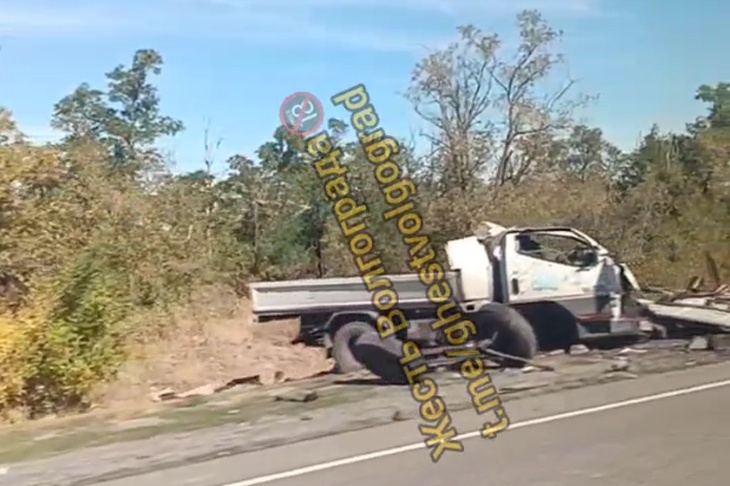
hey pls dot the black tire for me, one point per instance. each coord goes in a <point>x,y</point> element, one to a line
<point>514,334</point>
<point>344,347</point>
<point>382,357</point>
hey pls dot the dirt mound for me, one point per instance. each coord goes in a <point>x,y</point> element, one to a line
<point>210,342</point>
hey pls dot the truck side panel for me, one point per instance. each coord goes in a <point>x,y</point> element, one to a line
<point>330,295</point>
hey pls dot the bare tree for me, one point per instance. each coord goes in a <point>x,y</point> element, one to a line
<point>490,116</point>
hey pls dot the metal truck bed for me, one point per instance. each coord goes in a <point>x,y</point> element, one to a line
<point>692,311</point>
<point>298,297</point>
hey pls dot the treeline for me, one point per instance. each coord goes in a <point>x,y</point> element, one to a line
<point>96,231</point>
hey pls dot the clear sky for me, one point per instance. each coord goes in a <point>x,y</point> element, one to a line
<point>230,63</point>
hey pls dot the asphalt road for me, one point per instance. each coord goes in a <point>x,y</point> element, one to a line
<point>662,430</point>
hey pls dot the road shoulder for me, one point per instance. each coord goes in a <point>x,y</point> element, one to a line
<point>351,407</point>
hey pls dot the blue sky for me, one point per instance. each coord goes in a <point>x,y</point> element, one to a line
<point>230,63</point>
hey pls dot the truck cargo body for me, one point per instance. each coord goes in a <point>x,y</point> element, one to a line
<point>329,295</point>
<point>565,302</point>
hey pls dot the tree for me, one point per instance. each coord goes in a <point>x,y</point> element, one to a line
<point>125,118</point>
<point>718,97</point>
<point>585,153</point>
<point>489,112</point>
<point>712,135</point>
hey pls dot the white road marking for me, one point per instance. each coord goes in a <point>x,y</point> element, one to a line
<point>470,435</point>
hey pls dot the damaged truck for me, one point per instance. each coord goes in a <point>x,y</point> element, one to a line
<point>523,288</point>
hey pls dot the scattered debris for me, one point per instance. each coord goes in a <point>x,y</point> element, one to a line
<point>719,342</point>
<point>270,377</point>
<point>399,417</point>
<point>699,343</point>
<point>658,332</point>
<point>205,390</point>
<point>526,385</point>
<point>626,351</point>
<point>691,311</point>
<point>137,423</point>
<point>578,349</point>
<point>208,389</point>
<point>528,362</point>
<point>164,395</point>
<point>648,327</point>
<point>300,396</point>
<point>694,313</point>
<point>666,344</point>
<point>622,375</point>
<point>201,391</point>
<point>48,436</point>
<point>620,364</point>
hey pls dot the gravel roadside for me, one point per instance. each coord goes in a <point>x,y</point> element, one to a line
<point>240,423</point>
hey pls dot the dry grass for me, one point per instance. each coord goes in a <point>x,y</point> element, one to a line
<point>212,340</point>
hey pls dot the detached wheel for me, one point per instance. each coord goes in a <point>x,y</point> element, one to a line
<point>344,347</point>
<point>514,334</point>
<point>382,357</point>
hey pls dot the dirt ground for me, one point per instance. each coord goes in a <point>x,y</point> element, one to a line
<point>208,343</point>
<point>197,349</point>
<point>93,448</point>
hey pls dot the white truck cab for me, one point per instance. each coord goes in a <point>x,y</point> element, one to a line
<point>545,270</point>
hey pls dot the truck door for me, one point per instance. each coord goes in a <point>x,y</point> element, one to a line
<point>563,267</point>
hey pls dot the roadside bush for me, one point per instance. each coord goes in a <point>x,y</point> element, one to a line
<point>65,341</point>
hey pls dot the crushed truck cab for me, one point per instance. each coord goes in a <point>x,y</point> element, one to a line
<point>524,288</point>
<point>564,282</point>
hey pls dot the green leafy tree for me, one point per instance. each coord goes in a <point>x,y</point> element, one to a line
<point>125,118</point>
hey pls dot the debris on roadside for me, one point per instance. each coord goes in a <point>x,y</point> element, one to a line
<point>692,319</point>
<point>624,375</point>
<point>163,395</point>
<point>299,396</point>
<point>530,369</point>
<point>398,416</point>
<point>578,349</point>
<point>620,364</point>
<point>699,343</point>
<point>720,342</point>
<point>631,350</point>
<point>523,386</point>
<point>691,311</point>
<point>208,389</point>
<point>493,353</point>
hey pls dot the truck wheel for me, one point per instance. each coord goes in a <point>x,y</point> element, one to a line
<point>344,347</point>
<point>382,357</point>
<point>514,334</point>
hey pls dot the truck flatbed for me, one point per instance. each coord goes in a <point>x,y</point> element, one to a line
<point>289,298</point>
